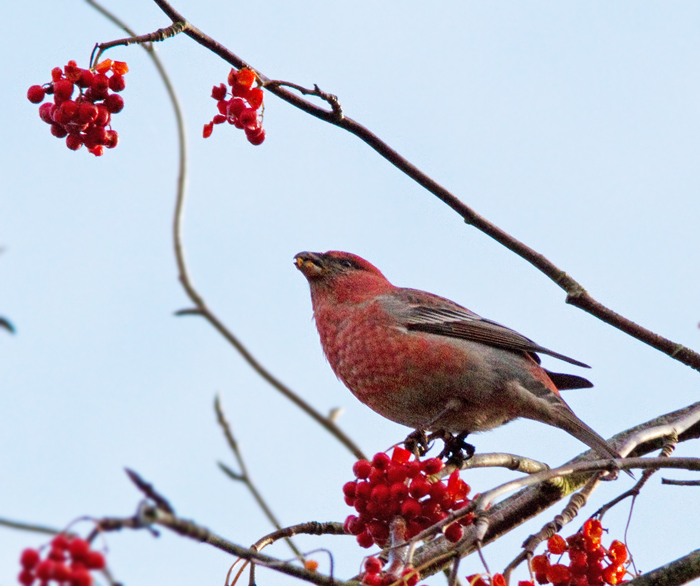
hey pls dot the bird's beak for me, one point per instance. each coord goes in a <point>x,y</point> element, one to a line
<point>309,263</point>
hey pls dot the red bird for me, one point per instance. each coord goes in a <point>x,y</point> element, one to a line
<point>428,363</point>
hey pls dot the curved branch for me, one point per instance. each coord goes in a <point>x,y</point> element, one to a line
<point>576,294</point>
<point>180,25</point>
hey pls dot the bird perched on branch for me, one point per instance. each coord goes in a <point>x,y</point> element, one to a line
<point>429,363</point>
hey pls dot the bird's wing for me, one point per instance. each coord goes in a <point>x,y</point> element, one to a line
<point>425,312</point>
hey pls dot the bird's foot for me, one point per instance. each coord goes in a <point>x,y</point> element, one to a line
<point>417,442</point>
<point>456,450</point>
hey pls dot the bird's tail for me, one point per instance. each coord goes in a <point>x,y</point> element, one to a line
<point>573,425</point>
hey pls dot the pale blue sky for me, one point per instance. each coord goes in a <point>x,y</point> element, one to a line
<point>573,125</point>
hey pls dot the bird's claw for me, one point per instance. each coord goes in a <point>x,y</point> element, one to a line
<point>456,450</point>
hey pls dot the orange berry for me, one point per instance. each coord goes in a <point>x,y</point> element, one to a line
<point>593,528</point>
<point>556,544</point>
<point>618,552</point>
<point>246,78</point>
<point>120,67</point>
<point>539,564</point>
<point>104,66</point>
<point>558,573</point>
<point>311,565</point>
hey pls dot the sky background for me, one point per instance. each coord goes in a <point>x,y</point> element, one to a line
<point>575,126</point>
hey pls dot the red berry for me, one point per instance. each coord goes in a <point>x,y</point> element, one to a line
<point>100,82</point>
<point>56,555</point>
<point>396,473</point>
<point>399,455</point>
<point>56,74</point>
<point>539,564</point>
<point>365,540</point>
<point>454,532</point>
<point>62,90</point>
<point>593,528</point>
<point>72,71</point>
<point>94,560</point>
<point>29,558</point>
<point>380,493</point>
<point>74,142</point>
<point>361,469</point>
<point>81,578</point>
<point>398,492</point>
<point>351,525</point>
<point>87,112</point>
<point>410,508</point>
<point>249,119</point>
<point>103,116</point>
<point>114,103</point>
<point>36,94</point>
<point>378,530</point>
<point>556,544</point>
<point>246,78</point>
<point>558,573</point>
<point>255,99</point>
<point>58,131</point>
<point>498,580</point>
<point>86,78</point>
<point>208,129</point>
<point>419,487</point>
<point>69,109</point>
<point>232,76</point>
<point>363,490</point>
<point>372,580</point>
<point>219,119</point>
<point>218,92</point>
<point>98,150</point>
<point>78,548</point>
<point>349,488</point>
<point>117,83</point>
<point>410,577</point>
<point>46,112</point>
<point>373,565</point>
<point>413,469</point>
<point>26,578</point>
<point>44,569</point>
<point>432,466</point>
<point>62,573</point>
<point>618,552</point>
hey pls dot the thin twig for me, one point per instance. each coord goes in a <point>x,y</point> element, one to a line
<point>245,478</point>
<point>201,307</point>
<point>576,294</point>
<point>680,482</point>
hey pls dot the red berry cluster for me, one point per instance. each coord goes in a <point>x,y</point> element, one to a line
<point>396,486</point>
<point>242,108</point>
<point>590,564</point>
<point>84,120</point>
<point>374,576</point>
<point>68,563</point>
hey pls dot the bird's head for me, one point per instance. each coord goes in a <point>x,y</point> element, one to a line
<point>341,275</point>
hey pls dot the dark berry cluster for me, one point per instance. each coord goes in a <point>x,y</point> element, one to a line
<point>83,119</point>
<point>68,563</point>
<point>590,564</point>
<point>396,486</point>
<point>242,108</point>
<point>374,576</point>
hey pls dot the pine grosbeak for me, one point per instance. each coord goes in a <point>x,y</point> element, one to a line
<point>428,363</point>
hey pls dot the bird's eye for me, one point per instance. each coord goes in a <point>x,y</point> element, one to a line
<point>348,264</point>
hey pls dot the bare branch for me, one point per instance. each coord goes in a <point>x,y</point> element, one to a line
<point>245,476</point>
<point>576,293</point>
